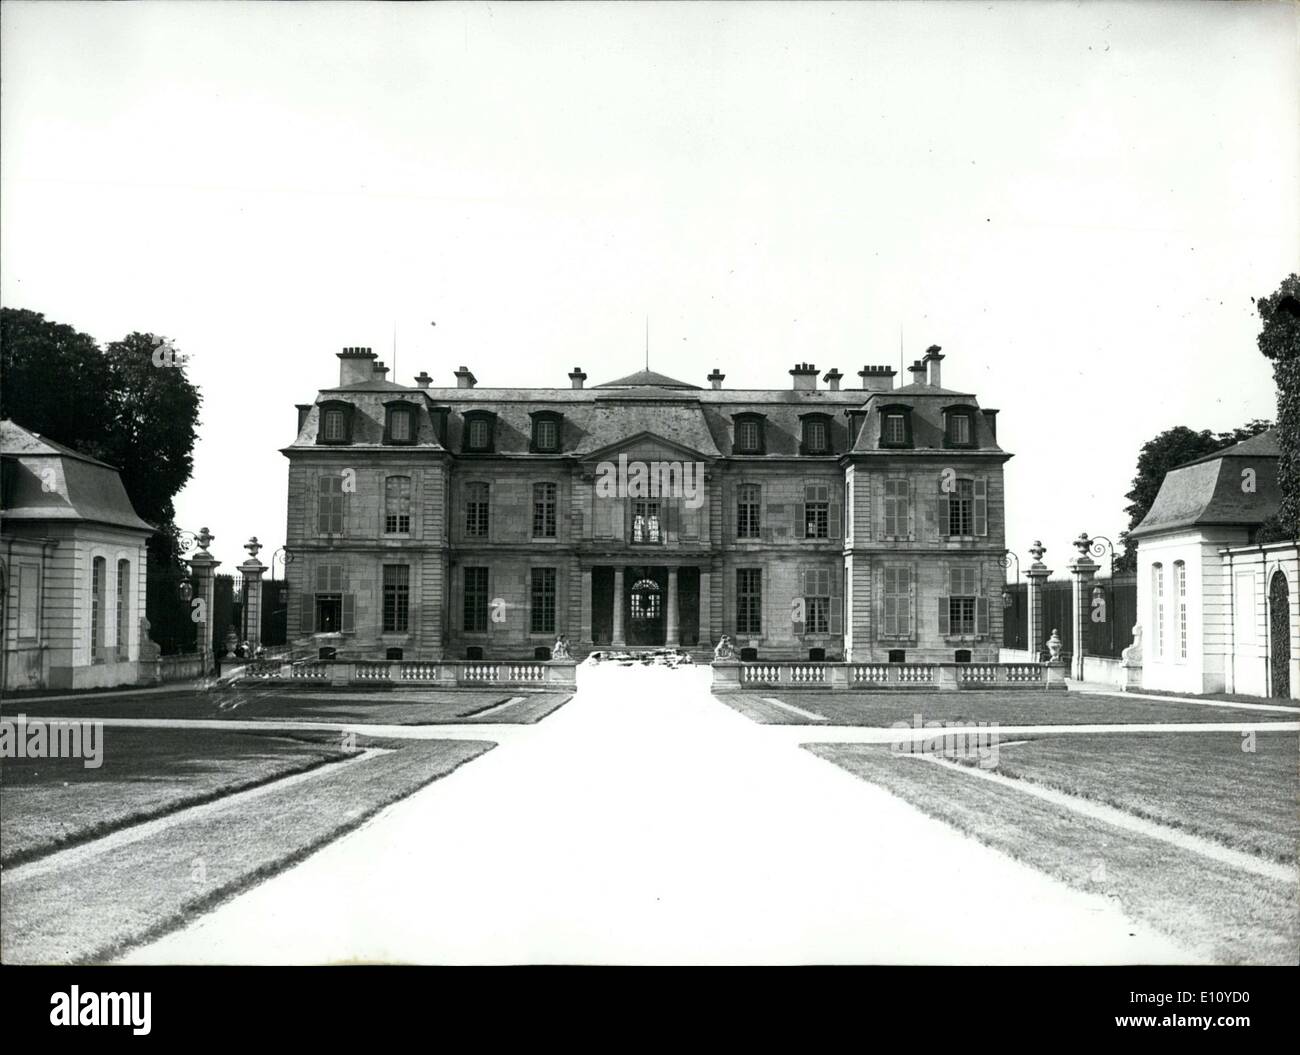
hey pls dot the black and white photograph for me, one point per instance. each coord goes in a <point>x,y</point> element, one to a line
<point>649,484</point>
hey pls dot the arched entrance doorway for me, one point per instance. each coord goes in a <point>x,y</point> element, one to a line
<point>645,609</point>
<point>1279,628</point>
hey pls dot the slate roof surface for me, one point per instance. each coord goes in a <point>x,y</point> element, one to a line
<point>82,488</point>
<point>1209,490</point>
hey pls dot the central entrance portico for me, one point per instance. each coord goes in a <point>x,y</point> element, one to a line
<point>645,605</point>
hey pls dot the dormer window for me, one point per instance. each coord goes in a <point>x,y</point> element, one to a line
<point>816,434</point>
<point>546,431</point>
<point>749,434</point>
<point>959,426</point>
<point>335,423</point>
<point>399,423</point>
<point>479,428</point>
<point>896,426</point>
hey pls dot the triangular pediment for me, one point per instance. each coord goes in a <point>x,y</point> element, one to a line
<point>647,447</point>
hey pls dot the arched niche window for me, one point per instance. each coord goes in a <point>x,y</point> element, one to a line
<point>959,426</point>
<point>335,425</point>
<point>400,422</point>
<point>816,434</point>
<point>896,425</point>
<point>546,431</point>
<point>480,431</point>
<point>749,433</point>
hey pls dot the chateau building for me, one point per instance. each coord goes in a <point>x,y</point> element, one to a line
<point>812,521</point>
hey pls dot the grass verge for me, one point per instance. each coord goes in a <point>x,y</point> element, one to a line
<point>1210,907</point>
<point>94,909</point>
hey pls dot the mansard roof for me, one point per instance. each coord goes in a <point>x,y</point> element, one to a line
<point>77,487</point>
<point>1211,491</point>
<point>648,379</point>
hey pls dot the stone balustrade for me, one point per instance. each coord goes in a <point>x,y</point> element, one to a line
<point>428,673</point>
<point>736,676</point>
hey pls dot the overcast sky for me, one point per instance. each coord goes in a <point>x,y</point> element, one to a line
<point>1076,201</point>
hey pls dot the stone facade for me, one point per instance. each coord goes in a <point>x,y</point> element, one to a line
<point>72,569</point>
<point>433,523</point>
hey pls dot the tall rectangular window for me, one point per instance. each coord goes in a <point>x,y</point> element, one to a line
<point>542,614</point>
<point>748,503</point>
<point>329,506</point>
<point>476,600</point>
<point>897,613</point>
<point>336,429</point>
<point>895,430</point>
<point>28,594</point>
<point>397,598</point>
<point>817,601</point>
<point>98,571</point>
<point>897,513</point>
<point>961,509</point>
<point>645,522</point>
<point>329,598</point>
<point>1158,609</point>
<point>817,511</point>
<point>123,609</point>
<point>961,601</point>
<point>1180,577</point>
<point>397,505</point>
<point>476,510</point>
<point>544,510</point>
<point>749,600</point>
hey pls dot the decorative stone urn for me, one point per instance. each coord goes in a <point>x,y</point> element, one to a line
<point>1054,648</point>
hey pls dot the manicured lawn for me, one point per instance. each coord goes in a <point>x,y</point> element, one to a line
<point>91,910</point>
<point>1203,783</point>
<point>259,702</point>
<point>48,803</point>
<point>885,709</point>
<point>1227,914</point>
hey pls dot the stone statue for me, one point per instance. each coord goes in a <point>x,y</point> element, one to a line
<point>560,650</point>
<point>1054,648</point>
<point>725,649</point>
<point>1132,656</point>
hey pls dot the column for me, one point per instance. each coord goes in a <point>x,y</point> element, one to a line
<point>672,635</point>
<point>1082,569</point>
<point>252,571</point>
<point>585,631</point>
<point>1038,573</point>
<point>617,637</point>
<point>707,639</point>
<point>203,568</point>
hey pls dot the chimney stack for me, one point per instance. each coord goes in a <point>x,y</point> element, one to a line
<point>933,358</point>
<point>805,377</point>
<point>917,370</point>
<point>303,410</point>
<point>355,365</point>
<point>577,377</point>
<point>716,378</point>
<point>465,378</point>
<point>379,371</point>
<point>877,378</point>
<point>423,379</point>
<point>832,378</point>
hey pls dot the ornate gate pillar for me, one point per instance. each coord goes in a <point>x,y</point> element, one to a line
<point>252,571</point>
<point>1037,574</point>
<point>1082,569</point>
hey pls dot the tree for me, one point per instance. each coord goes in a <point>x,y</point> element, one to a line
<point>1279,341</point>
<point>129,405</point>
<point>1168,450</point>
<point>52,380</point>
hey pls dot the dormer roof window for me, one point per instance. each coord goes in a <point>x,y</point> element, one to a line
<point>399,422</point>
<point>816,434</point>
<point>749,438</point>
<point>546,431</point>
<point>335,426</point>
<point>959,426</point>
<point>896,426</point>
<point>480,429</point>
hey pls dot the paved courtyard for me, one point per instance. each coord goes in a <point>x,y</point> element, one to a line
<point>646,822</point>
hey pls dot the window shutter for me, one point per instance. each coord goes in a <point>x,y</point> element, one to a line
<point>800,521</point>
<point>349,613</point>
<point>943,617</point>
<point>909,498</point>
<point>982,616</point>
<point>672,526</point>
<point>942,509</point>
<point>837,601</point>
<point>835,515</point>
<point>890,603</point>
<point>307,613</point>
<point>890,510</point>
<point>981,506</point>
<point>908,615</point>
